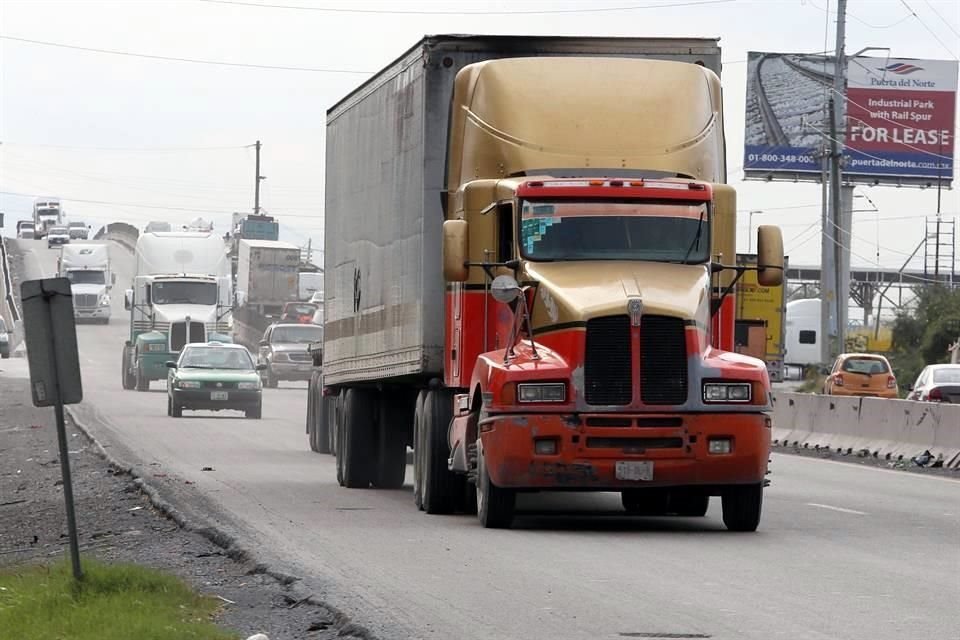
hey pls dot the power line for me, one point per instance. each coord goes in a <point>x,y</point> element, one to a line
<point>415,12</point>
<point>860,20</point>
<point>929,30</point>
<point>220,63</point>
<point>121,149</point>
<point>942,19</point>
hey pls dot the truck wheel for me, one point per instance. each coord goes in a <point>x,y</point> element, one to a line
<point>418,449</point>
<point>321,423</point>
<point>338,431</point>
<point>391,442</point>
<point>689,504</point>
<point>441,488</point>
<point>645,502</point>
<point>495,505</point>
<point>356,446</point>
<point>311,417</point>
<point>125,377</point>
<point>142,384</point>
<point>742,505</point>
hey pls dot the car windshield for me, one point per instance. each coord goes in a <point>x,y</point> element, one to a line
<point>671,231</point>
<point>58,231</point>
<point>184,293</point>
<point>303,334</point>
<point>86,277</point>
<point>865,365</point>
<point>216,358</point>
<point>948,375</point>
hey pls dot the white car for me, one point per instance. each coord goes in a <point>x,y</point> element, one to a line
<point>937,383</point>
<point>317,298</point>
<point>58,235</point>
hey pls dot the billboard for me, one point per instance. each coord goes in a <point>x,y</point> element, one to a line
<point>899,124</point>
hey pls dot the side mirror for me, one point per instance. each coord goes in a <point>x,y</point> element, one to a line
<point>769,256</point>
<point>264,343</point>
<point>261,367</point>
<point>128,299</point>
<point>909,387</point>
<point>171,364</point>
<point>456,250</point>
<point>505,289</point>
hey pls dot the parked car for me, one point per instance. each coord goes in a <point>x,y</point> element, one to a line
<point>58,235</point>
<point>78,231</point>
<point>283,352</point>
<point>299,312</point>
<point>937,383</point>
<point>4,340</point>
<point>214,376</point>
<point>861,374</point>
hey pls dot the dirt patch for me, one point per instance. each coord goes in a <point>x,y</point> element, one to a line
<point>117,522</point>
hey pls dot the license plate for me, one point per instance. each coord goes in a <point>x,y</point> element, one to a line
<point>219,395</point>
<point>634,470</point>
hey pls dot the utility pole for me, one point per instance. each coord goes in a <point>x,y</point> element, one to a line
<point>835,267</point>
<point>256,183</point>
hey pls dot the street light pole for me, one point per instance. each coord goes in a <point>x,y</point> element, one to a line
<point>750,229</point>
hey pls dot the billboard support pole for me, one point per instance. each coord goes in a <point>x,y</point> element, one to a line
<point>827,286</point>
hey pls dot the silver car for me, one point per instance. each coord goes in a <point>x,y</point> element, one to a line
<point>283,350</point>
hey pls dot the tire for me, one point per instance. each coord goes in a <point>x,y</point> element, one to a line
<point>141,383</point>
<point>321,422</point>
<point>4,355</point>
<point>270,381</point>
<point>495,506</point>
<point>175,410</point>
<point>392,428</point>
<point>418,449</point>
<point>126,379</point>
<point>689,504</point>
<point>645,502</point>
<point>312,419</point>
<point>169,406</point>
<point>254,414</point>
<point>441,488</point>
<point>357,443</point>
<point>742,506</point>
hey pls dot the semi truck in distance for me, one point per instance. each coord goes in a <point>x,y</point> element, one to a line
<point>87,267</point>
<point>182,293</point>
<point>46,213</point>
<point>530,259</point>
<point>267,272</point>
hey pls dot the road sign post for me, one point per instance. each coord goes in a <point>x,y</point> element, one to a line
<point>50,334</point>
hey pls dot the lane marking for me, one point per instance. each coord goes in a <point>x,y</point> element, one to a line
<point>840,509</point>
<point>853,465</point>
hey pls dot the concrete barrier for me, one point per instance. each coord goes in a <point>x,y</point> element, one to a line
<point>889,429</point>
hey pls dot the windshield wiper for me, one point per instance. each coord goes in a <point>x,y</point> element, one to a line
<point>696,237</point>
<point>196,366</point>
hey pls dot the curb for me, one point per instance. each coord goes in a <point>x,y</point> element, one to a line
<point>234,550</point>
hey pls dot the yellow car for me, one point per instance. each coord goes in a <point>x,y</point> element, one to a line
<point>861,374</point>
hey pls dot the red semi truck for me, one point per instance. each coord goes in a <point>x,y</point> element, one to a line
<point>529,249</point>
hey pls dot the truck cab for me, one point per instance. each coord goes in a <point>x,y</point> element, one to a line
<point>87,267</point>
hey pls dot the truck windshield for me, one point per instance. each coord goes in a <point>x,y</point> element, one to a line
<point>662,231</point>
<point>297,335</point>
<point>86,277</point>
<point>184,293</point>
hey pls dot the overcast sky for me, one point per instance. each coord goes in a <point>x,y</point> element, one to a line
<point>184,129</point>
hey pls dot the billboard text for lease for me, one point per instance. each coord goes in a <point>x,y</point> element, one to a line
<point>899,124</point>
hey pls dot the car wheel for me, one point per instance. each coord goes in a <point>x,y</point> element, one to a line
<point>4,355</point>
<point>270,381</point>
<point>742,506</point>
<point>176,410</point>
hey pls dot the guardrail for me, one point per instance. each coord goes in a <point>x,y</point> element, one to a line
<point>120,232</point>
<point>874,427</point>
<point>10,299</point>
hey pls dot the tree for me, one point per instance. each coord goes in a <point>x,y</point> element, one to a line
<point>924,336</point>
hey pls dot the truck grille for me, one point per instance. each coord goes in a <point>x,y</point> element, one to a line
<point>608,374</point>
<point>663,360</point>
<point>85,301</point>
<point>178,334</point>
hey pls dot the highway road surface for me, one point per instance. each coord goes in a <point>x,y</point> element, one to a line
<point>843,553</point>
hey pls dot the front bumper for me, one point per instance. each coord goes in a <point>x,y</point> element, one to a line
<point>291,370</point>
<point>53,241</point>
<point>200,399</point>
<point>587,455</point>
<point>96,312</point>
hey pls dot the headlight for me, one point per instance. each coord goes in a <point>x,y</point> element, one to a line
<point>550,392</point>
<point>156,346</point>
<point>188,384</point>
<point>727,392</point>
<point>104,300</point>
<point>248,386</point>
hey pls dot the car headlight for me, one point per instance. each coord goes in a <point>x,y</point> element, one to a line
<point>542,392</point>
<point>727,392</point>
<point>188,384</point>
<point>156,346</point>
<point>248,386</point>
<point>104,300</point>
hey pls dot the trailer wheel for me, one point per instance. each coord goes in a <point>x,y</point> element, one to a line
<point>742,505</point>
<point>495,505</point>
<point>356,446</point>
<point>418,448</point>
<point>321,422</point>
<point>125,377</point>
<point>338,431</point>
<point>441,487</point>
<point>391,442</point>
<point>312,416</point>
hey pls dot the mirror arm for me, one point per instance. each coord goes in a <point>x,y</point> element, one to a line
<point>716,266</point>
